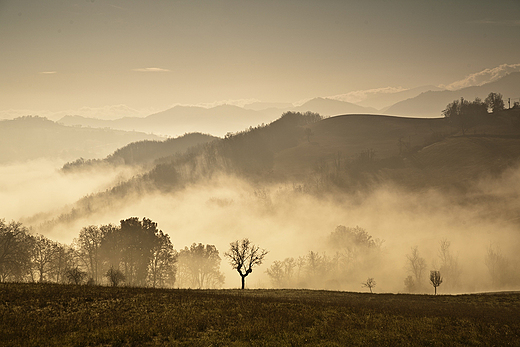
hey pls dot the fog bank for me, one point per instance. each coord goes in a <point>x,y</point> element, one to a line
<point>290,224</point>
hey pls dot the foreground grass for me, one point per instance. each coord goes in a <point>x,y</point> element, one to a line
<point>62,315</point>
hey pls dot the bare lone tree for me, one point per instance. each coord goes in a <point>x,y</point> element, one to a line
<point>243,256</point>
<point>370,283</point>
<point>435,279</point>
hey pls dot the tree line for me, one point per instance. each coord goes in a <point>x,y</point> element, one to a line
<point>135,252</point>
<point>356,254</point>
<point>465,114</point>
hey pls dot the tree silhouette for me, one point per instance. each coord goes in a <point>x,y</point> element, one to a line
<point>15,251</point>
<point>89,242</point>
<point>115,276</point>
<point>75,275</point>
<point>464,114</point>
<point>281,272</point>
<point>435,279</point>
<point>495,102</point>
<point>162,269</point>
<point>370,283</point>
<point>133,247</point>
<point>61,262</point>
<point>243,256</point>
<point>449,265</point>
<point>498,266</point>
<point>43,253</point>
<point>199,266</point>
<point>416,265</point>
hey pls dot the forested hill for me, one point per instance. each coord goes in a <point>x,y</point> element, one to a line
<point>340,154</point>
<point>33,137</point>
<point>144,153</point>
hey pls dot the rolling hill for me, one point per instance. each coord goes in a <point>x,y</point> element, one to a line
<point>329,107</point>
<point>343,154</point>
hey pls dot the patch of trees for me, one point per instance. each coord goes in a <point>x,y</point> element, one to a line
<point>449,273</point>
<point>464,114</point>
<point>503,272</point>
<point>135,252</point>
<point>199,267</point>
<point>355,252</point>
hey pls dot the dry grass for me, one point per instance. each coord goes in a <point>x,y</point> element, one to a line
<point>52,315</point>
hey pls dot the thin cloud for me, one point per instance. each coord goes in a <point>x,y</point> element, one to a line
<point>483,77</point>
<point>232,102</point>
<point>151,69</point>
<point>48,72</point>
<point>361,95</point>
<point>503,22</point>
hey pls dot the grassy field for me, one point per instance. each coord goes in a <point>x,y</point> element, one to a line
<point>62,315</point>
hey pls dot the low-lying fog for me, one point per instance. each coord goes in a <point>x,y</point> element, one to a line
<point>290,224</point>
<point>38,186</point>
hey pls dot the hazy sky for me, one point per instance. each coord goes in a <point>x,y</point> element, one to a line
<point>70,54</point>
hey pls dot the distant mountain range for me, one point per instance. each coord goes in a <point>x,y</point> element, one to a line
<point>217,121</point>
<point>426,101</point>
<point>383,101</point>
<point>432,103</point>
<point>179,120</point>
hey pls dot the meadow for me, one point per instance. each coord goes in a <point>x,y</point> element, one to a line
<point>67,315</point>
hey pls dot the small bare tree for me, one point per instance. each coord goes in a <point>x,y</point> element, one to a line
<point>115,276</point>
<point>416,265</point>
<point>243,256</point>
<point>435,279</point>
<point>75,275</point>
<point>370,283</point>
<point>449,266</point>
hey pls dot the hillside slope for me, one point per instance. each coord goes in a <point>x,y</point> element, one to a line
<point>144,153</point>
<point>338,155</point>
